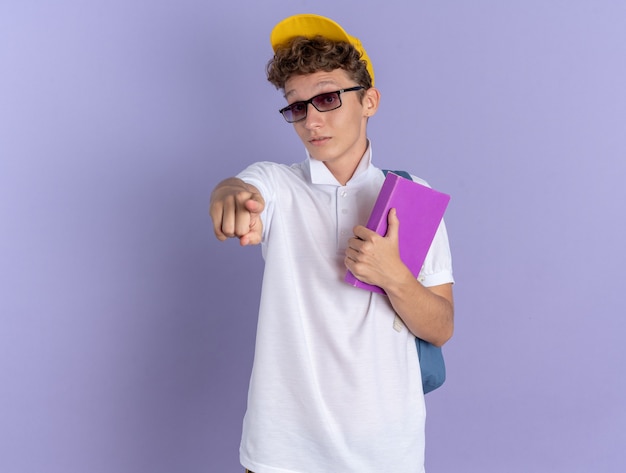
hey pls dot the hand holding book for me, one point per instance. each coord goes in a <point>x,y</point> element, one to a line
<point>419,209</point>
<point>375,259</point>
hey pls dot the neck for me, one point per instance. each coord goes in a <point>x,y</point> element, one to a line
<point>342,175</point>
<point>343,171</point>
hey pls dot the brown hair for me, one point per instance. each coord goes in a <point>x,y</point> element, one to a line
<point>303,55</point>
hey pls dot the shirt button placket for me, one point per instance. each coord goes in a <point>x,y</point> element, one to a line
<point>343,213</point>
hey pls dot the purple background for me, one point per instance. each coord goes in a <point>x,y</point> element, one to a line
<point>127,330</point>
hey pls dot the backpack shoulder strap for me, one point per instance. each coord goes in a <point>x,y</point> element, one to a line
<point>404,174</point>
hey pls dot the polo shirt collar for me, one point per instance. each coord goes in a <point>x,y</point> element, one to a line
<point>321,175</point>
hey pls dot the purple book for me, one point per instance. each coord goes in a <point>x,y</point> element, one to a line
<point>419,209</point>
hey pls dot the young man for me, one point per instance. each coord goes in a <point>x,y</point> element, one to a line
<point>335,386</point>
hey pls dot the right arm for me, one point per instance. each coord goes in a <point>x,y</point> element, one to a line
<point>236,211</point>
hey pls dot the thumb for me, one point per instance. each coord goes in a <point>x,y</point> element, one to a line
<point>255,204</point>
<point>393,224</point>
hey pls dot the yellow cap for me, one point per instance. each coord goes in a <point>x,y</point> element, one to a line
<point>310,25</point>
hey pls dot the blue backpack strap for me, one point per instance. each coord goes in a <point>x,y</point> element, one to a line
<point>404,174</point>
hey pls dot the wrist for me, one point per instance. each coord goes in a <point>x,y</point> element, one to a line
<point>400,282</point>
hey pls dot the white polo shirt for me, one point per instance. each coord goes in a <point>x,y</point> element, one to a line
<point>335,388</point>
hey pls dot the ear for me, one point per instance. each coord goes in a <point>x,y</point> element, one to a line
<point>371,101</point>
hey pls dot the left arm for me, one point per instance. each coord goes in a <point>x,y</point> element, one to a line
<point>428,312</point>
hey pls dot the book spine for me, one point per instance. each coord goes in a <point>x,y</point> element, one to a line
<point>378,218</point>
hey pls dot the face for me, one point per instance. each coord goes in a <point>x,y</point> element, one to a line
<point>338,137</point>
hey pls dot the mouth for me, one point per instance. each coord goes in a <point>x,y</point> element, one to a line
<point>319,140</point>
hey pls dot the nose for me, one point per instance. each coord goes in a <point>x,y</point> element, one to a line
<point>313,117</point>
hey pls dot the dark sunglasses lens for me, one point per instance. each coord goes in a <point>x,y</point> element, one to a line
<point>295,112</point>
<point>327,102</point>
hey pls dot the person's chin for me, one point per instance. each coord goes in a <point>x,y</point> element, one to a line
<point>320,154</point>
<point>319,157</point>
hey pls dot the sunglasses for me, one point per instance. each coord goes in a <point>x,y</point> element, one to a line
<point>323,103</point>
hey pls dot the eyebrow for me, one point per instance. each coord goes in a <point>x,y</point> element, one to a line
<point>319,85</point>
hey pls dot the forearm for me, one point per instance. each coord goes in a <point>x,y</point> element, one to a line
<point>427,312</point>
